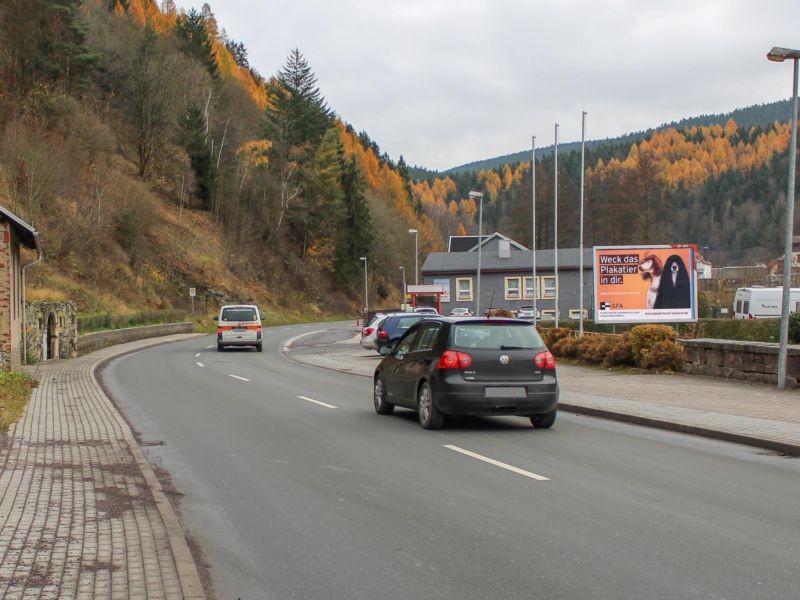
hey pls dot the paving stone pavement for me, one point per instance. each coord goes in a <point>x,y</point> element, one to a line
<point>82,514</point>
<point>738,411</point>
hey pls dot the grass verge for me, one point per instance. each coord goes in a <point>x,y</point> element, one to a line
<point>15,391</point>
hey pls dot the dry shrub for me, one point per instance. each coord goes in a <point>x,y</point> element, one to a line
<point>566,347</point>
<point>620,352</point>
<point>664,355</point>
<point>594,348</point>
<point>551,335</point>
<point>644,337</point>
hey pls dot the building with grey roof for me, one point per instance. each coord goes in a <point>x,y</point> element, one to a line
<point>507,279</point>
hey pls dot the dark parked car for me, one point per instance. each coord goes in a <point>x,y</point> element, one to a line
<point>394,326</point>
<point>468,366</point>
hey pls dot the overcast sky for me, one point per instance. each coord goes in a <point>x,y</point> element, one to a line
<point>445,82</point>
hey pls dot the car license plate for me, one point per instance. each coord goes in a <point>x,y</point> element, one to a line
<point>240,329</point>
<point>506,392</point>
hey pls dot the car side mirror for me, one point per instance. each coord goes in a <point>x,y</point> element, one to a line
<point>385,350</point>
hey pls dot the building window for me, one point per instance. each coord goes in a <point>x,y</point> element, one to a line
<point>513,291</point>
<point>549,286</point>
<point>531,288</point>
<point>464,289</point>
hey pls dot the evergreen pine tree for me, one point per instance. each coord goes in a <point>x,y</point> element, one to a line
<point>193,138</point>
<point>355,234</point>
<point>193,30</point>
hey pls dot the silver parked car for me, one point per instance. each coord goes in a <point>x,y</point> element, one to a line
<point>527,313</point>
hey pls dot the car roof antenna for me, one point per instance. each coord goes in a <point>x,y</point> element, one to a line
<point>491,304</point>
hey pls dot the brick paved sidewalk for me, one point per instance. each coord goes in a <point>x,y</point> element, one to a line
<point>737,411</point>
<point>82,514</point>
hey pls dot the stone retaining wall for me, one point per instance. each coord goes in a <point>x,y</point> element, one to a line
<point>102,339</point>
<point>751,361</point>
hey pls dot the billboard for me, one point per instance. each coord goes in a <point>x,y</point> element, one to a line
<point>645,284</point>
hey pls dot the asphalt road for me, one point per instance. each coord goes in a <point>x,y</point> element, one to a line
<point>295,488</point>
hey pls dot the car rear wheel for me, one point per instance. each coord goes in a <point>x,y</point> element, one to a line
<point>258,348</point>
<point>220,347</point>
<point>382,407</point>
<point>544,421</point>
<point>429,416</point>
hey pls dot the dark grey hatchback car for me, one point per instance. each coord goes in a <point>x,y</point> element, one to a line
<point>468,366</point>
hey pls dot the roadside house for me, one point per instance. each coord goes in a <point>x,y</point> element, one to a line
<point>14,233</point>
<point>507,279</point>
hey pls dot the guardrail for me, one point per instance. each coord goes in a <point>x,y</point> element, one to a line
<point>102,339</point>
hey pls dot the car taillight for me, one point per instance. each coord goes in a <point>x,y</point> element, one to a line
<point>367,331</point>
<point>545,360</point>
<point>258,330</point>
<point>219,330</point>
<point>454,360</point>
<point>383,335</point>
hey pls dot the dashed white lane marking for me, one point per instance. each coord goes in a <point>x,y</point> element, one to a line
<point>197,355</point>
<point>209,347</point>
<point>239,378</point>
<point>307,399</point>
<point>199,364</point>
<point>288,343</point>
<point>497,463</point>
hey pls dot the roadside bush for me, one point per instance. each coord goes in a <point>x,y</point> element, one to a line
<point>567,347</point>
<point>620,353</point>
<point>663,355</point>
<point>551,335</point>
<point>794,328</point>
<point>644,337</point>
<point>594,348</point>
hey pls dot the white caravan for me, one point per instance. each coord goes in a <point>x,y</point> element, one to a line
<point>763,303</point>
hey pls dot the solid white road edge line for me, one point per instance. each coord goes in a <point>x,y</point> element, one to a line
<point>239,378</point>
<point>497,463</point>
<point>288,343</point>
<point>307,399</point>
<point>199,364</point>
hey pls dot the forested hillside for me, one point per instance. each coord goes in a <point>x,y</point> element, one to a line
<point>153,157</point>
<point>721,187</point>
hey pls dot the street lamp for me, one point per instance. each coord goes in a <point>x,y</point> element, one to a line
<point>580,235</point>
<point>555,218</point>
<point>415,233</point>
<point>403,269</point>
<point>479,196</point>
<point>779,55</point>
<point>366,291</point>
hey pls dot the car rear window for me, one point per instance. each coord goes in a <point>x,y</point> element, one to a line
<point>406,322</point>
<point>244,313</point>
<point>496,336</point>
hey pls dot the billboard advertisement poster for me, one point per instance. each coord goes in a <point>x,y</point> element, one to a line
<point>445,283</point>
<point>645,284</point>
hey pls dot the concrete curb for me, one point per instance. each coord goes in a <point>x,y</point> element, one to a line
<point>189,576</point>
<point>726,436</point>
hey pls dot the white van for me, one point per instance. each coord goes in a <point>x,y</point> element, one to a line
<point>239,325</point>
<point>763,303</point>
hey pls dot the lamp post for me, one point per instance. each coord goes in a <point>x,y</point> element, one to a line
<point>479,196</point>
<point>580,243</point>
<point>366,290</point>
<point>534,287</point>
<point>403,303</point>
<point>555,218</point>
<point>415,233</point>
<point>779,55</point>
